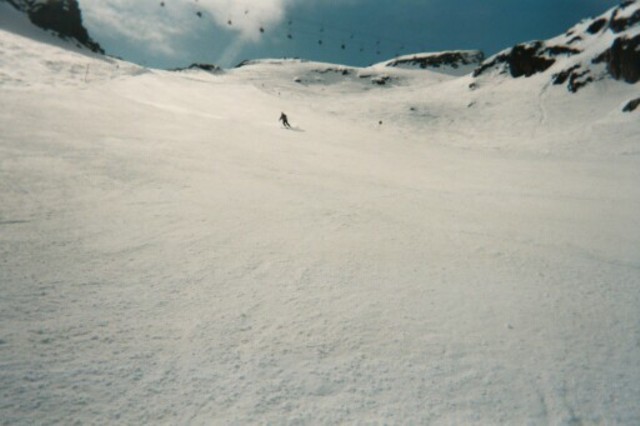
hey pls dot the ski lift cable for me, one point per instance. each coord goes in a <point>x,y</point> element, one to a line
<point>325,30</point>
<point>352,34</point>
<point>345,37</point>
<point>331,43</point>
<point>325,34</point>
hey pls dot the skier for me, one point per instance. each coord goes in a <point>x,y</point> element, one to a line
<point>285,120</point>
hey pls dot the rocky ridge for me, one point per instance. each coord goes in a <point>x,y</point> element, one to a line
<point>605,46</point>
<point>447,61</point>
<point>63,17</point>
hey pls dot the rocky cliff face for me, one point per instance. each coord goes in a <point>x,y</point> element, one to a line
<point>453,59</point>
<point>63,17</point>
<point>623,59</point>
<point>525,59</point>
<point>451,62</point>
<point>606,46</point>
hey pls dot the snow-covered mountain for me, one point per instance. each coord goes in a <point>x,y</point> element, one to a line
<point>603,47</point>
<point>414,252</point>
<point>597,49</point>
<point>63,17</point>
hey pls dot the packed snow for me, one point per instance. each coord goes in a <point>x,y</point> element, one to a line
<point>416,252</point>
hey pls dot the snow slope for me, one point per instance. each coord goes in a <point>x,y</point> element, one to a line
<point>170,255</point>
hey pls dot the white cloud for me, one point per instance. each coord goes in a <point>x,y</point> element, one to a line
<point>165,28</point>
<point>137,22</point>
<point>159,23</point>
<point>246,17</point>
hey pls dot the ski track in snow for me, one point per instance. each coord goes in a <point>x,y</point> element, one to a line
<point>169,255</point>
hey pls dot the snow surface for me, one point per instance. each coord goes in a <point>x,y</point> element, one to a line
<point>170,255</point>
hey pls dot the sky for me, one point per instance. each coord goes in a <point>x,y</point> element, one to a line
<point>177,33</point>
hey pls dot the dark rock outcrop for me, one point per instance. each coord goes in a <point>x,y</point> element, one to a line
<point>63,17</point>
<point>561,50</point>
<point>204,67</point>
<point>338,70</point>
<point>522,60</point>
<point>574,40</point>
<point>597,26</point>
<point>622,59</point>
<point>618,23</point>
<point>576,77</point>
<point>577,57</point>
<point>632,105</point>
<point>453,59</point>
<point>380,80</point>
<point>526,60</point>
